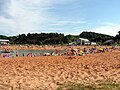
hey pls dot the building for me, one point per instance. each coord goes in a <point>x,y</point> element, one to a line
<point>109,42</point>
<point>93,43</point>
<point>4,42</point>
<point>83,41</point>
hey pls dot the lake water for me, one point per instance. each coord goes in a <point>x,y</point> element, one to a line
<point>25,52</point>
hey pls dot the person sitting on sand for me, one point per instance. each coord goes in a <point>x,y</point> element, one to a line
<point>46,54</point>
<point>100,50</point>
<point>73,52</point>
<point>17,54</point>
<point>56,52</point>
<point>23,54</point>
<point>86,51</point>
<point>94,49</point>
<point>4,55</point>
<point>53,53</point>
<point>29,55</point>
<point>7,55</point>
<point>81,53</point>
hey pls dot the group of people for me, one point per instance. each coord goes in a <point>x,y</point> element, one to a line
<point>87,50</point>
<point>81,51</point>
<point>70,51</point>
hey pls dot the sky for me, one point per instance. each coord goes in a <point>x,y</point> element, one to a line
<point>59,16</point>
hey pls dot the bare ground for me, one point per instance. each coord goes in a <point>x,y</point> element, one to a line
<point>49,72</point>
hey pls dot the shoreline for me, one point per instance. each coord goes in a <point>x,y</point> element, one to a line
<point>53,50</point>
<point>45,47</point>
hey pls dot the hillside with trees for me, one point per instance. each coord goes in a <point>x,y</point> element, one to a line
<point>59,38</point>
<point>96,37</point>
<point>44,39</point>
<point>3,37</point>
<point>117,38</point>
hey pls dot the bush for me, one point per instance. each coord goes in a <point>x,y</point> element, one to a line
<point>101,86</point>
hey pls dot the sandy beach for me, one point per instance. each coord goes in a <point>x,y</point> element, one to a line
<point>45,47</point>
<point>59,45</point>
<point>50,72</point>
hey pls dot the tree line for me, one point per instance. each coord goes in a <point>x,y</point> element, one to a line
<point>43,39</point>
<point>59,38</point>
<point>96,37</point>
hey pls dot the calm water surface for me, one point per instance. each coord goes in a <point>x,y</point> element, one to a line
<point>25,52</point>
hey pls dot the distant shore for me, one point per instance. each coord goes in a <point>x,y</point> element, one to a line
<point>44,47</point>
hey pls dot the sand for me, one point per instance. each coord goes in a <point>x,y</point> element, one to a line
<point>49,72</point>
<point>45,47</point>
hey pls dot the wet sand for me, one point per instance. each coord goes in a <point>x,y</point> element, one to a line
<point>49,72</point>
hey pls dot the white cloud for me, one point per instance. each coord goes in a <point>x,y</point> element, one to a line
<point>106,28</point>
<point>24,16</point>
<point>66,23</point>
<point>6,26</point>
<point>21,20</point>
<point>72,22</point>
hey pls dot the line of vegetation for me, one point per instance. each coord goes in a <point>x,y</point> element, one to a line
<point>59,39</point>
<point>101,86</point>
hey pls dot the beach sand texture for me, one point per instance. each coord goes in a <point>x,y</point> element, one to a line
<point>49,72</point>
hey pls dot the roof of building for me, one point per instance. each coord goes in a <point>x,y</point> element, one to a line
<point>83,39</point>
<point>112,41</point>
<point>4,40</point>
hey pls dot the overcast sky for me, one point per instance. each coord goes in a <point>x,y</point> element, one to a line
<point>61,16</point>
